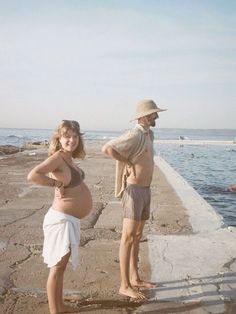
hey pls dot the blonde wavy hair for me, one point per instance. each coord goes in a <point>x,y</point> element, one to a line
<point>62,128</point>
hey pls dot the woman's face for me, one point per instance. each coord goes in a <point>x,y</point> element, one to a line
<point>69,140</point>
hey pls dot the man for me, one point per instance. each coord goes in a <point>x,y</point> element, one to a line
<point>134,169</point>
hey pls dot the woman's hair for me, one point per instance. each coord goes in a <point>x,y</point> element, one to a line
<point>63,127</point>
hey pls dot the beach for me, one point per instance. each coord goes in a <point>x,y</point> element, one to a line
<point>93,287</point>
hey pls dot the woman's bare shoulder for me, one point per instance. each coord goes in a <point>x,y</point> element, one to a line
<point>56,157</point>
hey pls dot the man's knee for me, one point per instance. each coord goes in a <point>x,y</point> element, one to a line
<point>138,236</point>
<point>128,236</point>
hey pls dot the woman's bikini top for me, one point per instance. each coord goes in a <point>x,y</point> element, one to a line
<point>77,176</point>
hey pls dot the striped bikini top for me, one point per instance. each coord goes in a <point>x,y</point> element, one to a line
<point>77,176</point>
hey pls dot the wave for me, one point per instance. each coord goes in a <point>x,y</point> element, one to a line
<point>15,136</point>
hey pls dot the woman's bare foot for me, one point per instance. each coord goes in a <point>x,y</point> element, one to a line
<point>131,293</point>
<point>145,284</point>
<point>67,309</point>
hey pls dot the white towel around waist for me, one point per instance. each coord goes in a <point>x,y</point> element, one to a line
<point>61,235</point>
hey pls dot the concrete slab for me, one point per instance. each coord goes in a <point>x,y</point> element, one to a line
<point>202,215</point>
<point>82,282</point>
<point>111,217</point>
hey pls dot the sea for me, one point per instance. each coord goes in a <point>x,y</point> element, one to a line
<point>208,167</point>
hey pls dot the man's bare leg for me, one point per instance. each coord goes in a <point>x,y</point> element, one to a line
<point>55,287</point>
<point>134,275</point>
<point>127,239</point>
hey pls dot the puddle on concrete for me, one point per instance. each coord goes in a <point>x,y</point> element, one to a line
<point>3,246</point>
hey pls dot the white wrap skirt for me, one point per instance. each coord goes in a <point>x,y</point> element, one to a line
<point>61,236</point>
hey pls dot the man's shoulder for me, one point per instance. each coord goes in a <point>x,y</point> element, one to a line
<point>130,133</point>
<point>135,131</point>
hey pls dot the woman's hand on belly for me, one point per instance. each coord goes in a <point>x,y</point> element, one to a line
<point>76,202</point>
<point>60,192</point>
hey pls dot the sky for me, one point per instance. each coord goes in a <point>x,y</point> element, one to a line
<point>93,60</point>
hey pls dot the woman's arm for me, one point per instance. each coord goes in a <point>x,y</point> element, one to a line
<point>39,174</point>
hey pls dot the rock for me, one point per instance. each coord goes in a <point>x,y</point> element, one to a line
<point>37,144</point>
<point>232,188</point>
<point>41,143</point>
<point>9,149</point>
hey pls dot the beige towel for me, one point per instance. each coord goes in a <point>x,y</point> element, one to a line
<point>130,145</point>
<point>61,235</point>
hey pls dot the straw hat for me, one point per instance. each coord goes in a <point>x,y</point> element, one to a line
<point>146,107</point>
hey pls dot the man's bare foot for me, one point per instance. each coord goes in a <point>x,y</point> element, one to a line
<point>129,292</point>
<point>145,284</point>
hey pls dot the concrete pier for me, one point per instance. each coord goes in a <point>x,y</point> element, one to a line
<point>186,248</point>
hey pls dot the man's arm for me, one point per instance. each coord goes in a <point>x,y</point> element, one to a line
<point>111,152</point>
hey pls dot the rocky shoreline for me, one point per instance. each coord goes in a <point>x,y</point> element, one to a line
<point>12,149</point>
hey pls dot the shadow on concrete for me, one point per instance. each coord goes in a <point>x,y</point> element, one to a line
<point>173,307</point>
<point>220,281</point>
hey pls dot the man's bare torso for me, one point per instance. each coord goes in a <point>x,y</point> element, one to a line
<point>142,171</point>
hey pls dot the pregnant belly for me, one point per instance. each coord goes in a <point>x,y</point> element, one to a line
<point>76,202</point>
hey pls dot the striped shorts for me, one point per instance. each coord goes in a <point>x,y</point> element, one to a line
<point>136,201</point>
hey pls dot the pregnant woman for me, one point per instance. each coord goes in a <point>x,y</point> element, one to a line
<point>72,201</point>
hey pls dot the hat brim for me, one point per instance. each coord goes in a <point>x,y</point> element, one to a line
<point>148,113</point>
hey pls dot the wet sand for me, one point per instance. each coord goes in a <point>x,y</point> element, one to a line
<point>93,286</point>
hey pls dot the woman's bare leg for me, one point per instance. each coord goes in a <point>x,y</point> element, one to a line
<point>55,287</point>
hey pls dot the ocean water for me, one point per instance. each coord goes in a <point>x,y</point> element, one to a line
<point>210,169</point>
<point>19,137</point>
<point>197,134</point>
